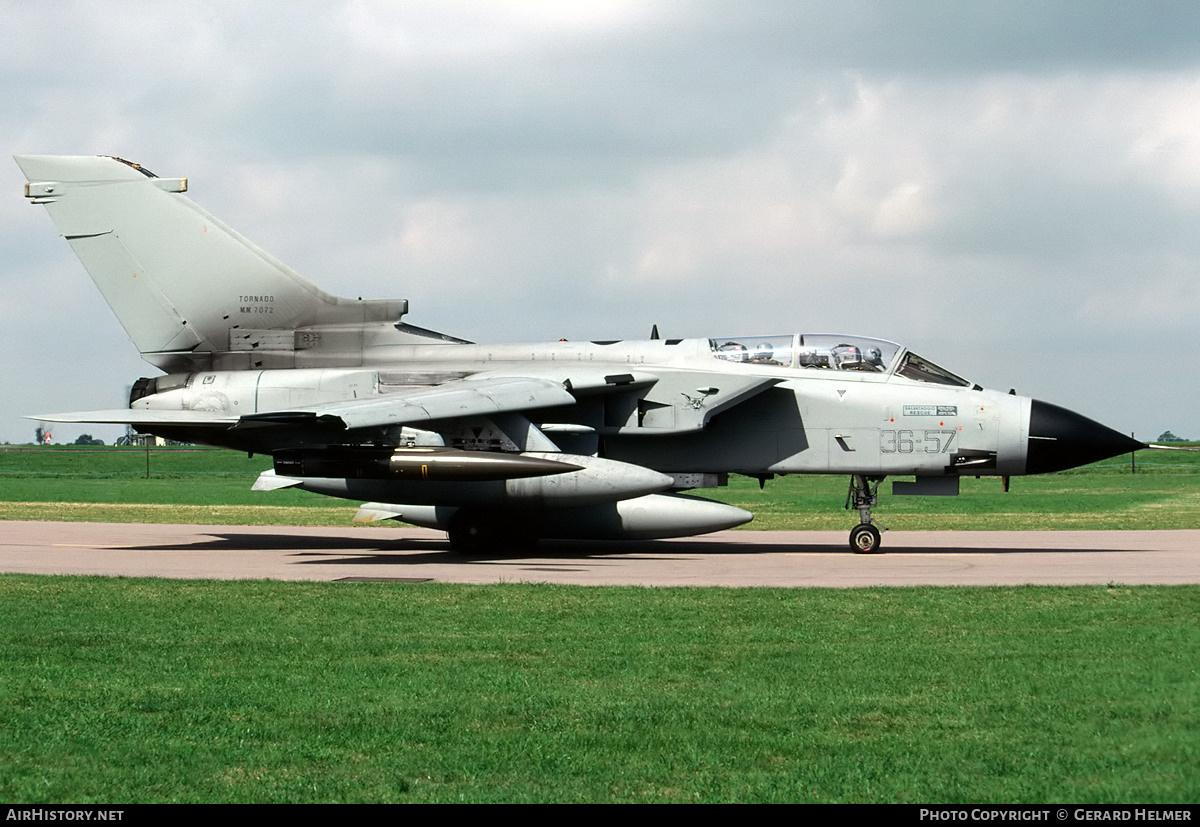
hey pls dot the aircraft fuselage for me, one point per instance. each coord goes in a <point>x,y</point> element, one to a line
<point>695,406</point>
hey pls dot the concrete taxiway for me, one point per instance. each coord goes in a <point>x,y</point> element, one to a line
<point>730,558</point>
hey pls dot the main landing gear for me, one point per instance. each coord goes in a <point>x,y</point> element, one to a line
<point>864,537</point>
<point>475,532</point>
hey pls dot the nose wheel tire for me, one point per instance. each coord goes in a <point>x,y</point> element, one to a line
<point>864,539</point>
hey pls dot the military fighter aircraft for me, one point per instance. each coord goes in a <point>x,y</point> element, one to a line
<point>505,444</point>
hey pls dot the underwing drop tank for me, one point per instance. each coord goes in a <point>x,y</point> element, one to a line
<point>652,517</point>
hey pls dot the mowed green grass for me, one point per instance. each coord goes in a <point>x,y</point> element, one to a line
<point>124,690</point>
<point>189,485</point>
<point>213,487</point>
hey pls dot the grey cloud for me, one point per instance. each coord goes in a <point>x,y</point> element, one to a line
<point>912,170</point>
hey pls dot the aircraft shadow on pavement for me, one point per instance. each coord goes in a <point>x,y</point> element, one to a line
<point>320,550</point>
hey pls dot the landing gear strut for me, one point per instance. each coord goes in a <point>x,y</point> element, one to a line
<point>864,537</point>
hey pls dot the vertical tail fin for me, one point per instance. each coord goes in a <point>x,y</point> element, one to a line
<point>186,287</point>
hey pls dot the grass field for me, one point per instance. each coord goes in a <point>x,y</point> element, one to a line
<point>211,486</point>
<point>121,690</point>
<point>117,690</point>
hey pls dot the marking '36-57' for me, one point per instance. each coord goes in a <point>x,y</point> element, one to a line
<point>906,441</point>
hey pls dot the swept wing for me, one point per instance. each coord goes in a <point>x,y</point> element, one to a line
<point>462,398</point>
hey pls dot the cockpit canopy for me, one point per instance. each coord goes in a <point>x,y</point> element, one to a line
<point>825,351</point>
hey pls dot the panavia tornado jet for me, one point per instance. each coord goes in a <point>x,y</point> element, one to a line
<point>501,445</point>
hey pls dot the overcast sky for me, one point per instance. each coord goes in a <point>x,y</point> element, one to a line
<point>1010,188</point>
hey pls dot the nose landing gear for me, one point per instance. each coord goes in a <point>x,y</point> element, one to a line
<point>864,537</point>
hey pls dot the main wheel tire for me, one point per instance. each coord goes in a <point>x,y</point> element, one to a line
<point>471,533</point>
<point>865,539</point>
<point>474,533</point>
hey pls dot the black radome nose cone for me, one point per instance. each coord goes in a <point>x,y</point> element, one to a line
<point>1060,439</point>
